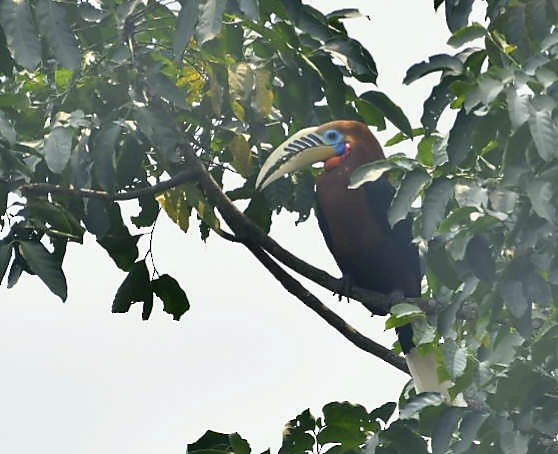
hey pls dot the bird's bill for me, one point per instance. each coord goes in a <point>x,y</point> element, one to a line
<point>301,150</point>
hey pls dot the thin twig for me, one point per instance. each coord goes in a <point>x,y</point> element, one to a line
<point>182,177</point>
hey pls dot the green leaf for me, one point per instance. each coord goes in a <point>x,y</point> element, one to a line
<point>543,131</point>
<point>185,27</point>
<point>369,173</point>
<point>104,155</point>
<point>355,57</point>
<point>455,359</point>
<point>239,444</point>
<point>440,62</point>
<point>390,110</point>
<point>163,87</point>
<point>149,211</point>
<point>514,442</point>
<point>174,202</point>
<point>5,257</point>
<point>436,103</point>
<point>446,426</point>
<point>479,257</point>
<point>467,34</point>
<point>242,156</point>
<point>383,413</point>
<point>457,13</point>
<point>175,301</point>
<point>135,287</point>
<point>210,443</point>
<point>91,14</point>
<point>406,194</point>
<point>58,149</point>
<point>296,438</point>
<point>345,423</point>
<point>117,241</point>
<point>7,131</point>
<point>460,142</point>
<point>422,401</point>
<point>209,20</point>
<point>258,211</point>
<point>541,195</point>
<point>513,297</point>
<point>436,198</point>
<point>402,314</point>
<point>45,266</point>
<point>15,272</point>
<point>58,33</point>
<point>61,222</point>
<point>518,108</point>
<point>370,114</point>
<point>469,431</point>
<point>250,8</point>
<point>160,128</point>
<point>21,36</point>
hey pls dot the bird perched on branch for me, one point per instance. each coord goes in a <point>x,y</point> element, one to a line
<point>354,222</point>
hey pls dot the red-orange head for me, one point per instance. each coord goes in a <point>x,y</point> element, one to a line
<point>343,143</point>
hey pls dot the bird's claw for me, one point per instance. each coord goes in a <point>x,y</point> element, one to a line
<point>345,286</point>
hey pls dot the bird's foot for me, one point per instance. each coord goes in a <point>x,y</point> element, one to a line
<point>345,285</point>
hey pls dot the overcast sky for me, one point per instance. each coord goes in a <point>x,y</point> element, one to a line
<point>247,357</point>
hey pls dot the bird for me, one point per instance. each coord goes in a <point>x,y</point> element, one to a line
<point>370,253</point>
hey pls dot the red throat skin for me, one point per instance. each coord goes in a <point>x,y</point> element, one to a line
<point>331,163</point>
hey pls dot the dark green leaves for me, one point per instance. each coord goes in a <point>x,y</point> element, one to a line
<point>355,56</point>
<point>441,62</point>
<point>210,19</point>
<point>187,19</point>
<point>21,35</point>
<point>218,443</point>
<point>135,287</point>
<point>436,198</point>
<point>389,110</point>
<point>406,194</point>
<point>45,265</point>
<point>544,133</point>
<point>55,27</point>
<point>175,301</point>
<point>58,149</point>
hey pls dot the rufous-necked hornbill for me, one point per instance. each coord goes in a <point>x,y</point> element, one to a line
<point>354,222</point>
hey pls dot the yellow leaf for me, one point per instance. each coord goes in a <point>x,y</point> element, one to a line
<point>263,97</point>
<point>242,156</point>
<point>175,205</point>
<point>193,82</point>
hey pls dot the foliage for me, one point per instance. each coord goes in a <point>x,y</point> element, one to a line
<point>108,96</point>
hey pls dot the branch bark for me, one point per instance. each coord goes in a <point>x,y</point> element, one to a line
<point>261,244</point>
<point>182,177</point>
<point>303,294</point>
<point>262,247</point>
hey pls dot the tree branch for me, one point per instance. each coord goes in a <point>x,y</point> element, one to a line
<point>297,289</point>
<point>261,244</point>
<point>377,303</point>
<point>182,177</point>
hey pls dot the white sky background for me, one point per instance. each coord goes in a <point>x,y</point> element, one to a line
<point>247,357</point>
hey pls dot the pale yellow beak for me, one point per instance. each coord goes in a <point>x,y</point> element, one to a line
<point>303,149</point>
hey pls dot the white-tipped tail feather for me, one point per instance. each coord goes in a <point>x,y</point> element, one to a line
<point>424,370</point>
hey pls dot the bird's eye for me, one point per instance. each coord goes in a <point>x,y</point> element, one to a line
<point>332,135</point>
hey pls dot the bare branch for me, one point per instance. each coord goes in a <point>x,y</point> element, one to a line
<point>44,188</point>
<point>297,289</point>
